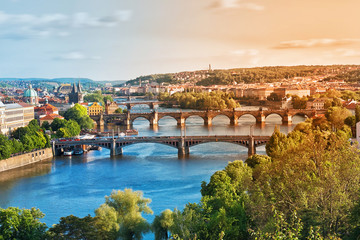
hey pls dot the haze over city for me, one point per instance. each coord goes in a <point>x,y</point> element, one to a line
<point>121,40</point>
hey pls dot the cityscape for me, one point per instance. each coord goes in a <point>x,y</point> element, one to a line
<point>219,120</point>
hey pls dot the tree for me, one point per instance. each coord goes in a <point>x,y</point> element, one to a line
<point>128,206</point>
<point>46,125</point>
<point>274,97</point>
<point>336,116</point>
<point>79,114</point>
<point>5,147</point>
<point>162,224</point>
<point>119,110</point>
<point>357,113</point>
<point>73,128</point>
<point>350,121</point>
<point>57,123</point>
<point>22,224</point>
<point>72,227</point>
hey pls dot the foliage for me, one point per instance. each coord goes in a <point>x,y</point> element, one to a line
<point>337,116</point>
<point>72,227</point>
<point>119,110</point>
<point>79,114</point>
<point>216,100</point>
<point>221,213</point>
<point>25,139</point>
<point>162,224</point>
<point>299,102</point>
<point>98,97</point>
<point>351,76</point>
<point>122,210</point>
<point>22,224</point>
<point>274,97</point>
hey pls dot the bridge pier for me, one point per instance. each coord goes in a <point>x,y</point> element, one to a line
<point>183,150</point>
<point>128,106</point>
<point>234,121</point>
<point>208,121</point>
<point>181,121</point>
<point>115,150</point>
<point>251,147</point>
<point>154,119</point>
<point>260,118</point>
<point>287,119</point>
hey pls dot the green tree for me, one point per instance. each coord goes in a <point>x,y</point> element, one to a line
<point>79,114</point>
<point>73,128</point>
<point>162,224</point>
<point>46,125</point>
<point>128,206</point>
<point>22,224</point>
<point>5,147</point>
<point>57,123</point>
<point>72,227</point>
<point>119,110</point>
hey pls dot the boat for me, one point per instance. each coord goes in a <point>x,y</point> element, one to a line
<point>68,152</point>
<point>78,152</point>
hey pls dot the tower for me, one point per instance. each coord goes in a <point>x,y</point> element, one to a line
<point>76,94</point>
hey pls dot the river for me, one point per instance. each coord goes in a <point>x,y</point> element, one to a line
<point>77,185</point>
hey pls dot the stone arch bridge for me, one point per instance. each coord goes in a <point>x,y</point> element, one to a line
<point>154,117</point>
<point>183,144</point>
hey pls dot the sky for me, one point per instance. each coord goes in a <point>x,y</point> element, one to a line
<point>123,39</point>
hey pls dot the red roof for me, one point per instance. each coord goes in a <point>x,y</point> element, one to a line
<point>51,117</point>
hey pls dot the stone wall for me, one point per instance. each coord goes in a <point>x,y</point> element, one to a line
<point>25,159</point>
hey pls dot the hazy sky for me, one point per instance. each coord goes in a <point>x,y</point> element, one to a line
<point>123,39</point>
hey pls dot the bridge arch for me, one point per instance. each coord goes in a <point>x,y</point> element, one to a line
<point>167,116</point>
<point>219,116</point>
<point>140,117</point>
<point>274,117</point>
<point>196,118</point>
<point>247,117</point>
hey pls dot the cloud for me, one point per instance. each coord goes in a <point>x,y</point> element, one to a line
<point>245,52</point>
<point>345,52</point>
<point>313,43</point>
<point>56,24</point>
<point>233,4</point>
<point>76,55</point>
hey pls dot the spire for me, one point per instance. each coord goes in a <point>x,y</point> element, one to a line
<point>79,87</point>
<point>74,89</point>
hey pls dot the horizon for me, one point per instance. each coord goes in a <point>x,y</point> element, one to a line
<point>115,40</point>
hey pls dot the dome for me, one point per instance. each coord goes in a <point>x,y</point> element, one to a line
<point>30,92</point>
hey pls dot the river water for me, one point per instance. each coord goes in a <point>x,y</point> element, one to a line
<point>77,185</point>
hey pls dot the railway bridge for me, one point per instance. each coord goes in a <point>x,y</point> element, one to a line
<point>181,143</point>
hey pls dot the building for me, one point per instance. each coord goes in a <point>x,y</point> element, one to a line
<point>76,95</point>
<point>30,96</point>
<point>50,118</point>
<point>17,115</point>
<point>94,108</point>
<point>317,103</point>
<point>110,107</point>
<point>44,110</point>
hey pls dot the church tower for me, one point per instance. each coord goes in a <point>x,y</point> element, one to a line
<point>76,95</point>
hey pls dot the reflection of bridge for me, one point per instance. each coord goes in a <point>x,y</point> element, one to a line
<point>234,115</point>
<point>181,143</point>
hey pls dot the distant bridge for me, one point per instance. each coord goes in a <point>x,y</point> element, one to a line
<point>130,104</point>
<point>183,144</point>
<point>234,115</point>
